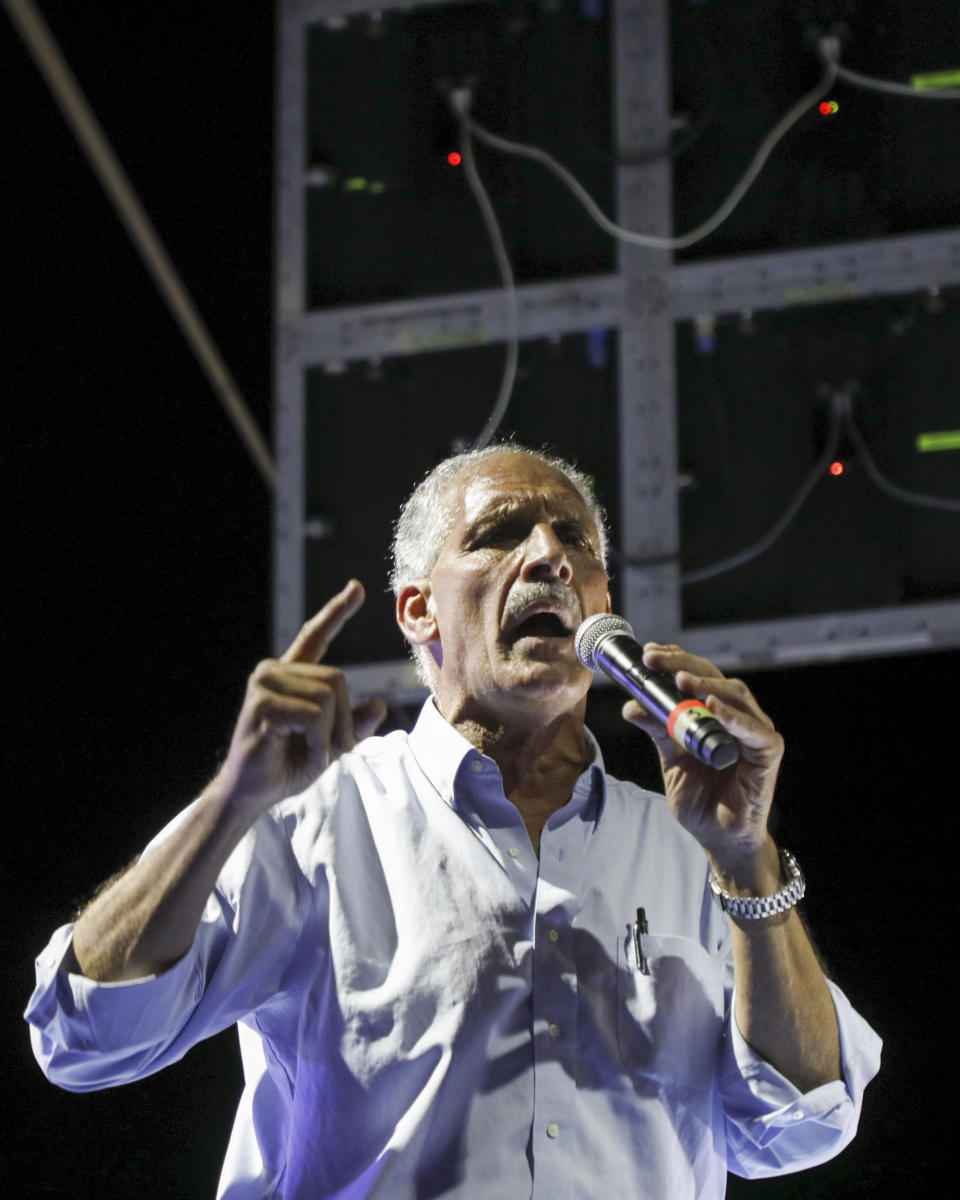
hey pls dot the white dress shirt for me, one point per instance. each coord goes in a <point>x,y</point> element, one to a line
<point>428,1010</point>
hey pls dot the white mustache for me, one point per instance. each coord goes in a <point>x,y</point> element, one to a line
<point>545,589</point>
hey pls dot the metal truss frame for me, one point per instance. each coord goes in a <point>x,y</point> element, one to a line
<point>641,300</point>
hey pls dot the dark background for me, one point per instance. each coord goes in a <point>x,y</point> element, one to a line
<point>137,575</point>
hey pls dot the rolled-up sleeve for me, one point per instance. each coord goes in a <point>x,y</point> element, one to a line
<point>772,1127</point>
<point>88,1035</point>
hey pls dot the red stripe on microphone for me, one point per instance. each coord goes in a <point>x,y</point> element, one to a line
<point>682,708</point>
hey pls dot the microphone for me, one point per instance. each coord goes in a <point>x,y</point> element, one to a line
<point>605,642</point>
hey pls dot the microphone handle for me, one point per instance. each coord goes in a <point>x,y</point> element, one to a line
<point>689,722</point>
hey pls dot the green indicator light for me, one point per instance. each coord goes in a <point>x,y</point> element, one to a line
<point>948,440</point>
<point>356,184</point>
<point>378,188</point>
<point>936,79</point>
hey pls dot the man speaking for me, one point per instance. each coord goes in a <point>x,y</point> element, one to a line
<point>465,962</point>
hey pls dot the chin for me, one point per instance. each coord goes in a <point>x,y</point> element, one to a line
<point>555,678</point>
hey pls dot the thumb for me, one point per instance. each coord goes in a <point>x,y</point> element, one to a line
<point>636,714</point>
<point>368,715</point>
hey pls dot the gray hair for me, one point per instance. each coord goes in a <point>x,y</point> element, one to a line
<point>427,517</point>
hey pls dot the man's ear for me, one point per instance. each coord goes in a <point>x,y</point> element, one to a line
<point>609,607</point>
<point>415,612</point>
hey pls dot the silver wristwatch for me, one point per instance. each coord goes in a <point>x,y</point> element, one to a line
<point>755,907</point>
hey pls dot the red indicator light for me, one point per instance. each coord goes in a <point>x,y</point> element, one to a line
<point>454,159</point>
<point>837,468</point>
<point>829,107</point>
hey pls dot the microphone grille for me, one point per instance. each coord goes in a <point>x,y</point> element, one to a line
<point>593,630</point>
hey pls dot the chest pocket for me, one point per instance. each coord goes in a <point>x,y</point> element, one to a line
<point>670,1016</point>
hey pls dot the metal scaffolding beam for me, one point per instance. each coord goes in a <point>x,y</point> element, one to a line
<point>641,301</point>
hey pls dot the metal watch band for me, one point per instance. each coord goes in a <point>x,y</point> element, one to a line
<point>756,907</point>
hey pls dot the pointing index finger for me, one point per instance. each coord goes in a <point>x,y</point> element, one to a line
<point>313,640</point>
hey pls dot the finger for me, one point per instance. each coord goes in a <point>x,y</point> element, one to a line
<point>313,640</point>
<point>324,688</point>
<point>737,710</point>
<point>317,684</point>
<point>673,659</point>
<point>280,716</point>
<point>308,680</point>
<point>368,716</point>
<point>732,693</point>
<point>342,738</point>
<point>636,714</point>
<point>753,729</point>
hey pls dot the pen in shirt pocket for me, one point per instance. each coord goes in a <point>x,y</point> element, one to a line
<point>639,929</point>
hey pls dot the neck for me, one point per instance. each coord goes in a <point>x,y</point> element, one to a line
<point>540,762</point>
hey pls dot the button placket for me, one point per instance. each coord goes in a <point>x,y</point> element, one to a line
<point>554,1005</point>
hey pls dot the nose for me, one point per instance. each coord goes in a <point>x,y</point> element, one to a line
<point>545,556</point>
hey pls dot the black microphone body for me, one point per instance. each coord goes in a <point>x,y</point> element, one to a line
<point>606,642</point>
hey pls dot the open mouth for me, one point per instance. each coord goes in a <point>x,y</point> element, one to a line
<point>541,625</point>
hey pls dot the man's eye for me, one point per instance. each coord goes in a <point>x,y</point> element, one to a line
<point>493,536</point>
<point>507,533</point>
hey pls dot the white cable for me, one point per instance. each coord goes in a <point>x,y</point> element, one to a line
<point>115,183</point>
<point>777,528</point>
<point>841,409</point>
<point>828,49</point>
<point>919,499</point>
<point>896,89</point>
<point>779,131</point>
<point>506,272</point>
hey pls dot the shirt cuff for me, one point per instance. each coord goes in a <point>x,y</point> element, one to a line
<point>769,1103</point>
<point>75,1020</point>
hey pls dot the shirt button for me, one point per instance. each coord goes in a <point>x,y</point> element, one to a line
<point>514,852</point>
<point>553,1129</point>
<point>798,1114</point>
<point>553,935</point>
<point>554,1029</point>
<point>476,766</point>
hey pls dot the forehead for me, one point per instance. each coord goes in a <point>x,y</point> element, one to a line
<point>509,481</point>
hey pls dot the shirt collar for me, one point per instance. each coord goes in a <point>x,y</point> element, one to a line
<point>447,759</point>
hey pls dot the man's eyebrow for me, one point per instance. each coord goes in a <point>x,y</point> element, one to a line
<point>491,515</point>
<point>572,522</point>
<point>507,510</point>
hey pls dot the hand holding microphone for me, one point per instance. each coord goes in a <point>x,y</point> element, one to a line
<point>606,642</point>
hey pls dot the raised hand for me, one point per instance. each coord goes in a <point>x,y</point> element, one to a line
<point>296,716</point>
